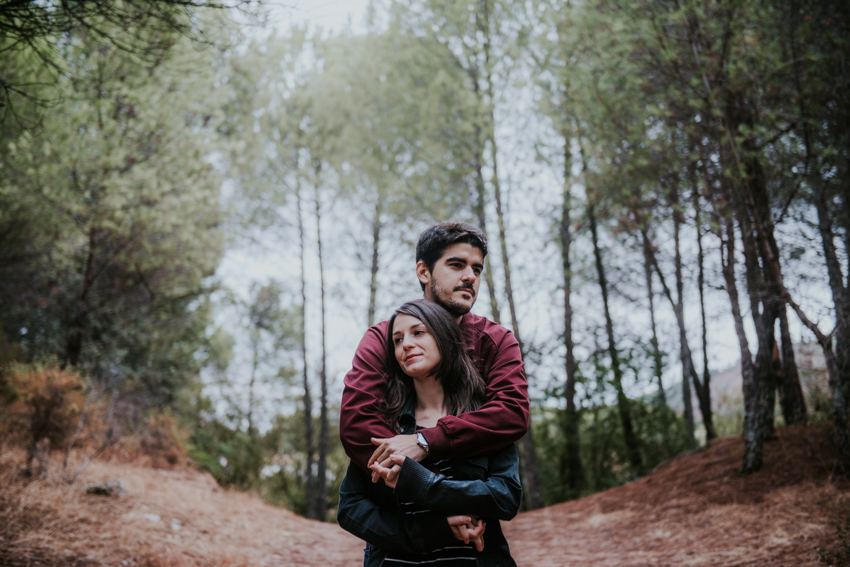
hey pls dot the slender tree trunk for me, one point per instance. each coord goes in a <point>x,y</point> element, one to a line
<point>78,323</point>
<point>656,351</point>
<point>705,395</point>
<point>255,362</point>
<point>321,472</point>
<point>839,383</point>
<point>679,307</point>
<point>481,201</point>
<point>685,349</point>
<point>309,479</point>
<point>764,313</point>
<point>629,436</point>
<point>572,473</point>
<point>753,440</point>
<point>791,392</point>
<point>373,280</point>
<point>535,499</point>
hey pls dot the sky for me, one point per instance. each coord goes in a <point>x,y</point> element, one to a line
<point>532,192</point>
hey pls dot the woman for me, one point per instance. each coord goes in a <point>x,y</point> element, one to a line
<point>419,517</point>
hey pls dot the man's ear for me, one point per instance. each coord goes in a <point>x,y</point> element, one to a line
<point>423,273</point>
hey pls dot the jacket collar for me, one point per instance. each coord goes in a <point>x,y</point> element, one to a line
<point>407,418</point>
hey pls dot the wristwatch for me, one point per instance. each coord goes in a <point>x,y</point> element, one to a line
<point>421,441</point>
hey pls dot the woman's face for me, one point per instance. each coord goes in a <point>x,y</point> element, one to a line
<point>415,347</point>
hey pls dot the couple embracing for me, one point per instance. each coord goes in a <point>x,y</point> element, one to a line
<point>434,401</point>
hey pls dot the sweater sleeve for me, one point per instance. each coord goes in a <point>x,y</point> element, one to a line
<point>363,387</point>
<point>498,496</point>
<point>499,422</point>
<point>388,527</point>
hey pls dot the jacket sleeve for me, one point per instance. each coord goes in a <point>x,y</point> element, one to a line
<point>364,386</point>
<point>498,496</point>
<point>388,527</point>
<point>502,420</point>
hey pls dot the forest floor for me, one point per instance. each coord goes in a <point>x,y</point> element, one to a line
<point>693,510</point>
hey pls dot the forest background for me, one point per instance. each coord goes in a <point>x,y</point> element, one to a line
<point>200,214</point>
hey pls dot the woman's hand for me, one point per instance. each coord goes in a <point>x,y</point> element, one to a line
<point>388,470</point>
<point>400,445</point>
<point>468,529</point>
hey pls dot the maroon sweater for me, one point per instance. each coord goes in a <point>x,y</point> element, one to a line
<point>500,421</point>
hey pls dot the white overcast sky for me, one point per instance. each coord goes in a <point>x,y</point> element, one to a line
<point>532,193</point>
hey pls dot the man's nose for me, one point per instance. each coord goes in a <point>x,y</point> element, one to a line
<point>468,275</point>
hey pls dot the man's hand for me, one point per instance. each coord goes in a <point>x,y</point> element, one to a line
<point>468,529</point>
<point>400,445</point>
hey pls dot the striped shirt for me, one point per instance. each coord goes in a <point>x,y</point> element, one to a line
<point>460,555</point>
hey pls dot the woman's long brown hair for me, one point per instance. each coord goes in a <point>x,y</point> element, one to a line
<point>463,386</point>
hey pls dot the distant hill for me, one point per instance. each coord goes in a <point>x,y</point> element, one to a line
<point>727,399</point>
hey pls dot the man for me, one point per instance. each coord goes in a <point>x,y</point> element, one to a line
<point>449,263</point>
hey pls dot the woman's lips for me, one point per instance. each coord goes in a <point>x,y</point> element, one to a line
<point>410,357</point>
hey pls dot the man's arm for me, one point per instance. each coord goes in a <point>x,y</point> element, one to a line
<point>502,420</point>
<point>364,386</point>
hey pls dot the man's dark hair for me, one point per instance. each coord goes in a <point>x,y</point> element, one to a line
<point>434,241</point>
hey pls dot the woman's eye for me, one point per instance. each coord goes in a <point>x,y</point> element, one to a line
<point>419,332</point>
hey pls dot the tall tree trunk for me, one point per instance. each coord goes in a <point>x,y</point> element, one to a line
<point>790,392</point>
<point>309,479</point>
<point>761,398</point>
<point>753,441</point>
<point>685,349</point>
<point>535,498</point>
<point>572,473</point>
<point>373,280</point>
<point>840,365</point>
<point>629,436</point>
<point>255,362</point>
<point>679,307</point>
<point>481,200</point>
<point>81,312</point>
<point>705,395</point>
<point>321,472</point>
<point>653,341</point>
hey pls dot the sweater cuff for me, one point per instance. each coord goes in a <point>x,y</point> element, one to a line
<point>439,442</point>
<point>413,481</point>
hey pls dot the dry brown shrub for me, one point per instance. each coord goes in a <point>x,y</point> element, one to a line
<point>159,442</point>
<point>42,409</point>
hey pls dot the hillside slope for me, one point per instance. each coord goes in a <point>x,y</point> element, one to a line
<point>694,510</point>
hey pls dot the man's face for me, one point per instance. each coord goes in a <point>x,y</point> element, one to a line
<point>453,283</point>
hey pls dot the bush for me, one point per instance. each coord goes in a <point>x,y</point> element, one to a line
<point>661,435</point>
<point>43,405</point>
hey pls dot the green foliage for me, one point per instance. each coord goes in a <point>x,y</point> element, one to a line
<point>661,436</point>
<point>110,221</point>
<point>233,457</point>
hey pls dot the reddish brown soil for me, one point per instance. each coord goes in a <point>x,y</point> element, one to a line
<point>697,510</point>
<point>694,510</point>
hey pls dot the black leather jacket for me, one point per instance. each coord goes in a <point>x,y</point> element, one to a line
<point>486,486</point>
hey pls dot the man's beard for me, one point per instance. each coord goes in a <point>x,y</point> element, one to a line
<point>443,298</point>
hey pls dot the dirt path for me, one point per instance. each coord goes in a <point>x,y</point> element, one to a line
<point>693,511</point>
